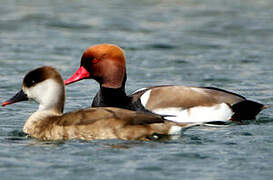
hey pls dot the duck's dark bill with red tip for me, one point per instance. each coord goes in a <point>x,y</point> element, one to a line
<point>20,96</point>
<point>80,74</point>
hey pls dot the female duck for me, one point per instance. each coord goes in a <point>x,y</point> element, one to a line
<point>45,86</point>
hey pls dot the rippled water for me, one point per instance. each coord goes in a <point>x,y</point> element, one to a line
<point>227,44</point>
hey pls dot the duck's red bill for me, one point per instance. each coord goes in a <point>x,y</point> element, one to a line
<point>80,74</point>
<point>20,96</point>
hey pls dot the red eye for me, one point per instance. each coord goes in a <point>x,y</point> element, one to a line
<point>94,61</point>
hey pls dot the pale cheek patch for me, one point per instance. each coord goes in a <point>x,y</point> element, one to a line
<point>199,114</point>
<point>45,96</point>
<point>145,97</point>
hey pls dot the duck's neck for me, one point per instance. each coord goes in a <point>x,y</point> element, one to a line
<point>39,119</point>
<point>52,99</point>
<point>54,106</point>
<point>51,104</point>
<point>112,97</point>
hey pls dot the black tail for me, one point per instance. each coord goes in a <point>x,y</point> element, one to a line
<point>246,110</point>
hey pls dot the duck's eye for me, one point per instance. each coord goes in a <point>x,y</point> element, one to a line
<point>95,60</point>
<point>33,82</point>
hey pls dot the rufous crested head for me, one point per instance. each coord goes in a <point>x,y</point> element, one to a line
<point>106,63</point>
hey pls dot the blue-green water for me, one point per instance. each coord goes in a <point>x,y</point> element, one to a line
<point>227,44</point>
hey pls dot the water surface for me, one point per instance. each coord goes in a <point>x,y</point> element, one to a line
<point>226,44</point>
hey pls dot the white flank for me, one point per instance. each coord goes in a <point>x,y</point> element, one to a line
<point>145,97</point>
<point>198,114</point>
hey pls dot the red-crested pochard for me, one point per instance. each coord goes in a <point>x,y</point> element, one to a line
<point>45,86</point>
<point>106,63</point>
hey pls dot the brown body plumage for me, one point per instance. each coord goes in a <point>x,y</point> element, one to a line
<point>45,86</point>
